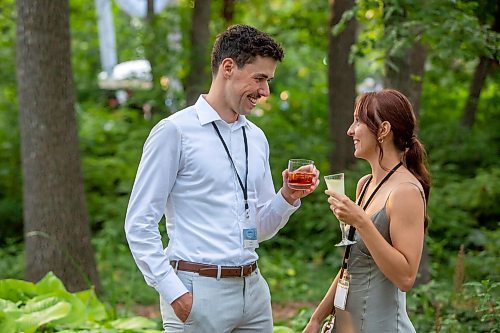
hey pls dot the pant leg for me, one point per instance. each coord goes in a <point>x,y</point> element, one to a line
<point>171,323</point>
<point>258,316</point>
<point>217,305</point>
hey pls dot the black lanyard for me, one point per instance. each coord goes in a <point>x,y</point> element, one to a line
<point>352,230</point>
<point>243,188</point>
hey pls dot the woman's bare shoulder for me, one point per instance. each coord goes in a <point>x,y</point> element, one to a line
<point>361,182</point>
<point>406,196</point>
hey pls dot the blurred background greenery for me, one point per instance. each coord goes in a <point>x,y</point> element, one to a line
<point>300,262</point>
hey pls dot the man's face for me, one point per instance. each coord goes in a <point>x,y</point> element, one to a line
<point>246,85</point>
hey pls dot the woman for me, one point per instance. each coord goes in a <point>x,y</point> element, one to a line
<point>389,235</point>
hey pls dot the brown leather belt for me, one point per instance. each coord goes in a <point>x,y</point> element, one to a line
<point>212,270</point>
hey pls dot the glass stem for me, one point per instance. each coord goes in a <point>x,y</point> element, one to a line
<point>342,229</point>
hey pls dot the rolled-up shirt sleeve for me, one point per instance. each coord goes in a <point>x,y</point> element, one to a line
<point>155,178</point>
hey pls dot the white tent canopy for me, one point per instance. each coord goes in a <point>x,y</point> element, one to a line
<point>134,74</point>
<point>138,8</point>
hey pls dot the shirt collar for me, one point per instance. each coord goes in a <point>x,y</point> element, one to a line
<point>207,114</point>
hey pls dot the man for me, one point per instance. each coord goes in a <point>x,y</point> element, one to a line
<point>207,169</point>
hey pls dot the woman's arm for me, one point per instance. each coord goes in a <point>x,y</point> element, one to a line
<point>405,209</point>
<point>326,306</point>
<point>323,309</point>
<point>399,261</point>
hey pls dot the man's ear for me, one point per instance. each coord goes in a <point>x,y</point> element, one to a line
<point>227,66</point>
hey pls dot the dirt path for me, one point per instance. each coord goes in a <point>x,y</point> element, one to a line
<point>285,311</point>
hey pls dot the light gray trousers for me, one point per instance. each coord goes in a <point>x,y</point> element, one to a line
<point>227,305</point>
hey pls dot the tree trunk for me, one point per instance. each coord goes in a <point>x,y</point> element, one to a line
<point>341,85</point>
<point>405,72</point>
<point>397,73</point>
<point>480,73</point>
<point>418,56</point>
<point>228,12</point>
<point>57,233</point>
<point>198,79</point>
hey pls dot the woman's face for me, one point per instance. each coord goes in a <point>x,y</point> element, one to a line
<point>365,142</point>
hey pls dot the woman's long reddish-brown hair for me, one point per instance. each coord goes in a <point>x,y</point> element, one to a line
<point>390,105</point>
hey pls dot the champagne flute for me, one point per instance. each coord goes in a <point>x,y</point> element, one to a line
<point>335,183</point>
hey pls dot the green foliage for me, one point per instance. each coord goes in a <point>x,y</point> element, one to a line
<point>293,274</point>
<point>47,307</point>
<point>10,171</point>
<point>116,265</point>
<point>111,144</point>
<point>85,59</point>
<point>461,211</point>
<point>447,27</point>
<point>466,181</point>
<point>437,308</point>
<point>12,259</point>
<point>301,319</point>
<point>282,329</point>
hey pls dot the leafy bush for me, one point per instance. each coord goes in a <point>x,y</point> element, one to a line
<point>12,262</point>
<point>48,307</point>
<point>10,171</point>
<point>437,307</point>
<point>111,143</point>
<point>115,265</point>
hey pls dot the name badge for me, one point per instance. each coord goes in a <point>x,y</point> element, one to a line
<point>250,238</point>
<point>341,294</point>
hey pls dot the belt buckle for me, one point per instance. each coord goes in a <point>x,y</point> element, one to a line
<point>242,267</point>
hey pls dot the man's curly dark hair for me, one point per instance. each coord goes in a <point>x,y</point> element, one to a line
<point>243,43</point>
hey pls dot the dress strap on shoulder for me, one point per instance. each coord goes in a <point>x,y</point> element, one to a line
<point>419,189</point>
<point>412,183</point>
<point>363,187</point>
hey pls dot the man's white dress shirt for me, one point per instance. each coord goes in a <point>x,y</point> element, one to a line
<point>185,173</point>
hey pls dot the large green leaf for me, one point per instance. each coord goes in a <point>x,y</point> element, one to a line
<point>51,287</point>
<point>17,290</point>
<point>133,323</point>
<point>10,312</point>
<point>8,306</point>
<point>41,310</point>
<point>7,323</point>
<point>282,329</point>
<point>49,283</point>
<point>94,330</point>
<point>95,309</point>
<point>77,313</point>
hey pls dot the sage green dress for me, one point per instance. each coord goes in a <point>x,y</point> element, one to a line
<point>374,303</point>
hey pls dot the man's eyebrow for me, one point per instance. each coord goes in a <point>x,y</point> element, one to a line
<point>262,75</point>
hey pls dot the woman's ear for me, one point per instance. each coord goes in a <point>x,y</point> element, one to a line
<point>383,130</point>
